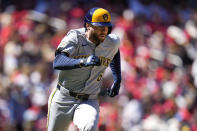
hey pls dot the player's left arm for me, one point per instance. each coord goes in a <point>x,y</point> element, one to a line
<point>116,72</point>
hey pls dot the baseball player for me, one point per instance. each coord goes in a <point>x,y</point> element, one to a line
<point>82,57</point>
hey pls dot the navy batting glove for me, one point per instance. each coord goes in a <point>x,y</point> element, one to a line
<point>90,61</point>
<point>114,90</point>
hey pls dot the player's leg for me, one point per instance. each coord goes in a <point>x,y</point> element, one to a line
<point>59,112</point>
<point>72,127</point>
<point>86,115</point>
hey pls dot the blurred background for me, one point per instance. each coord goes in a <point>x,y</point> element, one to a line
<point>158,61</point>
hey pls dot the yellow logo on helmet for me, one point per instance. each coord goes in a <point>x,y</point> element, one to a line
<point>101,15</point>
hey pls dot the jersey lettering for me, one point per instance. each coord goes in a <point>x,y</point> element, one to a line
<point>100,76</point>
<point>80,56</point>
<point>104,61</point>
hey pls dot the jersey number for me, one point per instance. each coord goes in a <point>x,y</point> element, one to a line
<point>100,76</point>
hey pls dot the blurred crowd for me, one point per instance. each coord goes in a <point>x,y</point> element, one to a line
<point>158,61</point>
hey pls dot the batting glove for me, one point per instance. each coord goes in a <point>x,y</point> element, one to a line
<point>90,61</point>
<point>114,90</point>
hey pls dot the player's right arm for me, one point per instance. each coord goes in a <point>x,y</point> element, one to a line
<point>63,62</point>
<point>68,47</point>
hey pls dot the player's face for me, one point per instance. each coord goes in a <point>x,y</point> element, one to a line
<point>97,33</point>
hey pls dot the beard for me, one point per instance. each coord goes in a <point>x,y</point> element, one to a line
<point>96,39</point>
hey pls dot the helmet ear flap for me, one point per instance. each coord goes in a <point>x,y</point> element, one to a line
<point>110,29</point>
<point>85,27</point>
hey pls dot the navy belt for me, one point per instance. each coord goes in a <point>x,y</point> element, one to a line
<point>80,96</point>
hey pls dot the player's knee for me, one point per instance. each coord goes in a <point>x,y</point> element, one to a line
<point>88,127</point>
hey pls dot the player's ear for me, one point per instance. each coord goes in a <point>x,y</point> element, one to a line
<point>87,26</point>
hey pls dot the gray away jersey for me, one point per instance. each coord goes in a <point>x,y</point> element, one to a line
<point>86,80</point>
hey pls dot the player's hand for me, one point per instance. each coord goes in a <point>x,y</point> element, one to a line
<point>91,61</point>
<point>114,90</point>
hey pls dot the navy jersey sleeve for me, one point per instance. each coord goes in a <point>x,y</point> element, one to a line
<point>63,62</point>
<point>116,68</point>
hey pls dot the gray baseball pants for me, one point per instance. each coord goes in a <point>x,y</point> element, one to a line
<point>62,109</point>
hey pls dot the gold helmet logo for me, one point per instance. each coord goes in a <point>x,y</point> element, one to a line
<point>101,15</point>
<point>105,17</point>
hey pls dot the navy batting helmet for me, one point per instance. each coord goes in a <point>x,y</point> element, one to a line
<point>98,17</point>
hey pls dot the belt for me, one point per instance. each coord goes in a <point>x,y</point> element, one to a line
<point>79,96</point>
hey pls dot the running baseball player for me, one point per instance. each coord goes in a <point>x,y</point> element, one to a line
<point>82,57</point>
